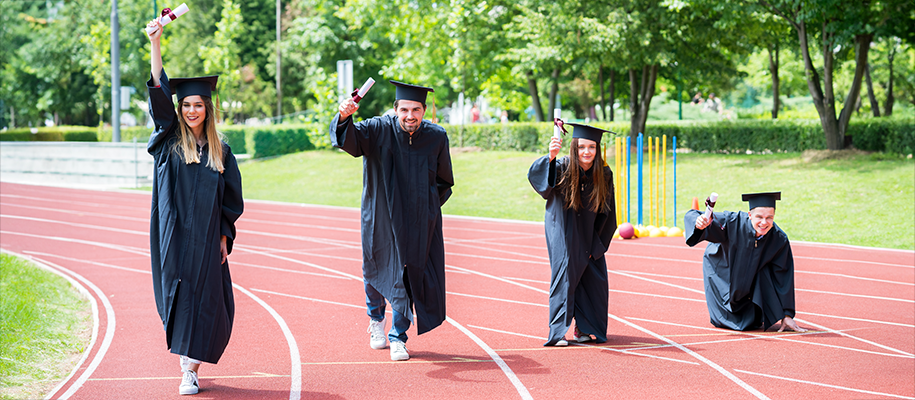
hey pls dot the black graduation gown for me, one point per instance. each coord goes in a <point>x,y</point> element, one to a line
<point>192,206</point>
<point>747,284</point>
<point>405,183</point>
<point>576,242</point>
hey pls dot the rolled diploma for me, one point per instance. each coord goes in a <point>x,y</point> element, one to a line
<point>363,90</point>
<point>710,205</point>
<point>165,19</point>
<point>557,131</point>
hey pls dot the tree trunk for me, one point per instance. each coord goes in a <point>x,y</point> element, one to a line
<point>875,107</point>
<point>889,87</point>
<point>554,89</point>
<point>773,70</point>
<point>862,46</point>
<point>640,98</point>
<point>612,92</point>
<point>535,97</point>
<point>824,102</point>
<point>600,82</point>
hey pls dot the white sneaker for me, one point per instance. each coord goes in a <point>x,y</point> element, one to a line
<point>580,337</point>
<point>561,343</point>
<point>377,339</point>
<point>399,351</point>
<point>189,383</point>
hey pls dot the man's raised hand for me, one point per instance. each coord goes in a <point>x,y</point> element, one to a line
<point>347,107</point>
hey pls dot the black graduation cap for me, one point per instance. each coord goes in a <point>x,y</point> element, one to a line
<point>581,131</point>
<point>406,91</point>
<point>199,86</point>
<point>764,199</point>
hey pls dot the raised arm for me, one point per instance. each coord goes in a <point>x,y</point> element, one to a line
<point>155,51</point>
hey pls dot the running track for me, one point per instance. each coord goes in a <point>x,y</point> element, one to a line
<point>300,319</point>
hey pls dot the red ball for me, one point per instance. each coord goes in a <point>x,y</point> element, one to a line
<point>627,231</point>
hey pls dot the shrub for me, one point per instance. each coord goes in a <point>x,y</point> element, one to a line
<point>883,135</point>
<point>51,134</point>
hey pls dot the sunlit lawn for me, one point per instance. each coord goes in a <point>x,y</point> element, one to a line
<point>862,199</point>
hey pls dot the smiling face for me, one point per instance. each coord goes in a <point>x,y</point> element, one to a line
<point>762,219</point>
<point>410,114</point>
<point>194,112</point>
<point>587,150</point>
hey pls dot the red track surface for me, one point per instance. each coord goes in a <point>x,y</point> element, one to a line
<point>300,315</point>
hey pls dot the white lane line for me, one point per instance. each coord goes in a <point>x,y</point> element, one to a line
<point>295,387</point>
<point>296,378</point>
<point>522,390</point>
<point>656,281</point>
<point>77,225</point>
<point>662,275</point>
<point>336,303</point>
<point>660,296</point>
<point>835,260</point>
<point>605,348</point>
<point>126,249</point>
<point>79,213</point>
<point>142,271</point>
<point>854,277</point>
<point>708,362</point>
<point>95,317</point>
<point>857,338</point>
<point>825,385</point>
<point>856,295</point>
<point>291,271</point>
<point>106,341</point>
<point>497,299</point>
<point>860,319</point>
<point>495,357</point>
<point>782,336</point>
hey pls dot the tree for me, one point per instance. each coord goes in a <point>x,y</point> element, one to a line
<point>837,25</point>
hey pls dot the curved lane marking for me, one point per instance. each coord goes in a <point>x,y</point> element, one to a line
<point>95,319</point>
<point>106,341</point>
<point>495,357</point>
<point>708,362</point>
<point>295,387</point>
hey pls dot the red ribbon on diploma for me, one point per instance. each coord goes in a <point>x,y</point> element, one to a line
<point>168,12</point>
<point>558,122</point>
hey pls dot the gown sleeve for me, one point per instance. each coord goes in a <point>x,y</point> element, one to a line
<point>232,202</point>
<point>444,178</point>
<point>713,233</point>
<point>162,110</point>
<point>605,222</point>
<point>542,175</point>
<point>357,139</point>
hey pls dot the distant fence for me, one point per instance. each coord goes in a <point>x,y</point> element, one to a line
<point>77,163</point>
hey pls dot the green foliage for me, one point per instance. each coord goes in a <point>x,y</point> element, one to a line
<point>51,134</point>
<point>128,134</point>
<point>284,139</point>
<point>44,323</point>
<point>895,136</point>
<point>827,200</point>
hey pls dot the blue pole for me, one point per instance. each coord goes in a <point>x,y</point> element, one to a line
<point>674,150</point>
<point>628,181</point>
<point>639,157</point>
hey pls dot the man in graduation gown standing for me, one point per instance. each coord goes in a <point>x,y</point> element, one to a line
<point>748,268</point>
<point>406,179</point>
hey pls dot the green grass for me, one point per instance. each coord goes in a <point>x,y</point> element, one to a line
<point>45,325</point>
<point>858,199</point>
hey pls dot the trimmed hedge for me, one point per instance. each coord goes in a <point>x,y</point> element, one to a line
<point>51,134</point>
<point>896,135</point>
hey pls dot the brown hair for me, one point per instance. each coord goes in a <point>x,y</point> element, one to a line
<point>186,146</point>
<point>570,179</point>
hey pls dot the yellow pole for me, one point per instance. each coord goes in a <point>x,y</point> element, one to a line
<point>657,174</point>
<point>648,222</point>
<point>616,177</point>
<point>665,178</point>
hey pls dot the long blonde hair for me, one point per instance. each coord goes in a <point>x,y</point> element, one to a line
<point>186,146</point>
<point>600,193</point>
